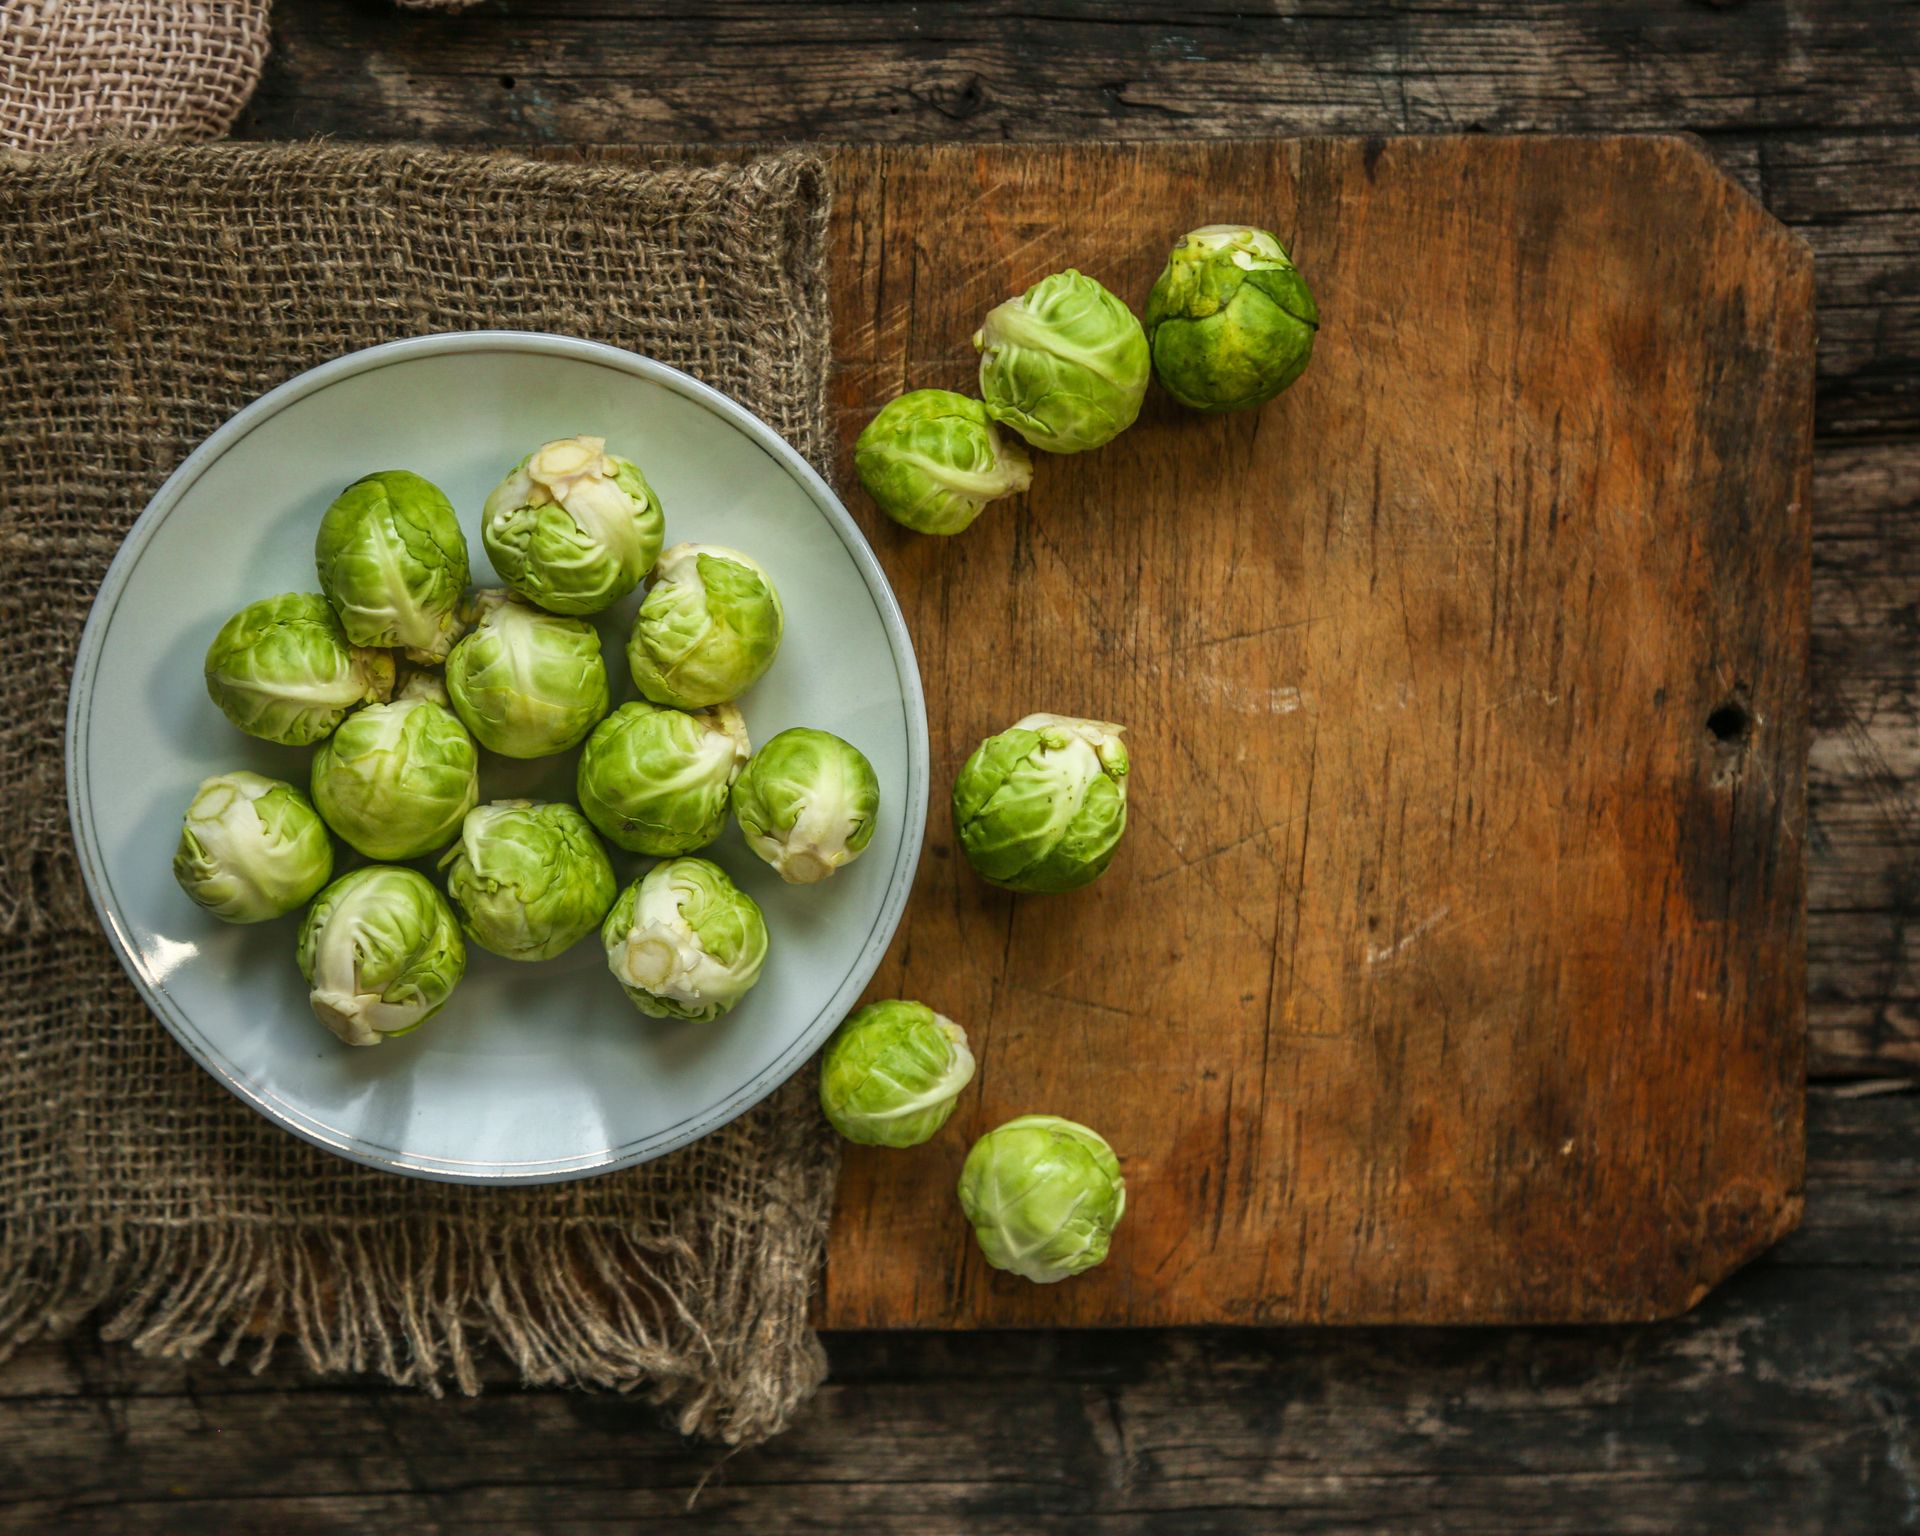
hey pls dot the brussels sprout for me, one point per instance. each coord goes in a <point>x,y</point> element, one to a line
<point>529,881</point>
<point>381,952</point>
<point>573,527</point>
<point>1064,365</point>
<point>395,779</point>
<point>655,780</point>
<point>393,563</point>
<point>932,460</point>
<point>1041,806</point>
<point>1044,1196</point>
<point>892,1072</point>
<point>1230,321</point>
<point>527,683</point>
<point>252,848</point>
<point>807,804</point>
<point>282,669</point>
<point>685,941</point>
<point>708,628</point>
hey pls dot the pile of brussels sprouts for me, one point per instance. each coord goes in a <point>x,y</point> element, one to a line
<point>398,675</point>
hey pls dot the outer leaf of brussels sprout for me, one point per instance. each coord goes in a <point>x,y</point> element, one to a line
<point>282,669</point>
<point>1230,321</point>
<point>685,941</point>
<point>1042,807</point>
<point>526,682</point>
<point>654,780</point>
<point>892,1074</point>
<point>393,563</point>
<point>529,881</point>
<point>1065,364</point>
<point>572,527</point>
<point>381,953</point>
<point>1043,1195</point>
<point>931,460</point>
<point>395,779</point>
<point>708,629</point>
<point>807,804</point>
<point>251,848</point>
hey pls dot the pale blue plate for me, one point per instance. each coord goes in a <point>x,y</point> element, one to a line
<point>532,1073</point>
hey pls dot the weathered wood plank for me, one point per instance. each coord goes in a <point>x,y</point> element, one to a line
<point>1786,1403</point>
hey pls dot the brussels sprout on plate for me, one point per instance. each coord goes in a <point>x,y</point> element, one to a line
<point>252,848</point>
<point>526,682</point>
<point>393,563</point>
<point>528,880</point>
<point>1043,1195</point>
<point>1230,321</point>
<point>381,953</point>
<point>892,1072</point>
<point>655,779</point>
<point>395,779</point>
<point>685,941</point>
<point>1041,806</point>
<point>807,804</point>
<point>931,460</point>
<point>708,628</point>
<point>1064,365</point>
<point>283,669</point>
<point>573,527</point>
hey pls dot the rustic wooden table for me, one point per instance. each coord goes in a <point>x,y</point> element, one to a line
<point>1787,1402</point>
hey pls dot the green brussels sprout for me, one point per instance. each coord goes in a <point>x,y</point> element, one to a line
<point>932,460</point>
<point>685,941</point>
<point>892,1072</point>
<point>251,848</point>
<point>381,952</point>
<point>1041,806</point>
<point>573,527</point>
<point>1064,365</point>
<point>396,779</point>
<point>708,628</point>
<point>1230,321</point>
<point>528,880</point>
<point>526,682</point>
<point>1044,1196</point>
<point>655,779</point>
<point>807,804</point>
<point>282,669</point>
<point>393,563</point>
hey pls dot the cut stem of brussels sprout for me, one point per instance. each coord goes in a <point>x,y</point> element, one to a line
<point>1042,806</point>
<point>685,941</point>
<point>1043,1195</point>
<point>393,562</point>
<point>1065,364</point>
<point>381,953</point>
<point>526,682</point>
<point>807,804</point>
<point>528,880</point>
<point>251,848</point>
<point>655,780</point>
<point>283,670</point>
<point>932,460</point>
<point>708,628</point>
<point>892,1074</point>
<point>1230,322</point>
<point>573,528</point>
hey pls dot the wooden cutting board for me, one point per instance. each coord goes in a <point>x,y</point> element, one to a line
<point>1452,969</point>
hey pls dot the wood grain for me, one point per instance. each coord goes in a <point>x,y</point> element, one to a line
<point>1453,967</point>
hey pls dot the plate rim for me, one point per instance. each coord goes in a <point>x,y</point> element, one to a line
<point>900,642</point>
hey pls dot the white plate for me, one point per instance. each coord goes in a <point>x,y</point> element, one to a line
<point>531,1073</point>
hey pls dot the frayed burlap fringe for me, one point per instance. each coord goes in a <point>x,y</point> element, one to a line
<point>145,295</point>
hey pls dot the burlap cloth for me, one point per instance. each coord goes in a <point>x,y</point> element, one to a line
<point>145,295</point>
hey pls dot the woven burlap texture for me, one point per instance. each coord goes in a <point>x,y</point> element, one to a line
<point>145,295</point>
<point>75,70</point>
